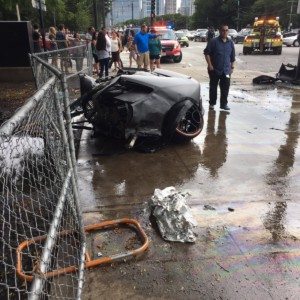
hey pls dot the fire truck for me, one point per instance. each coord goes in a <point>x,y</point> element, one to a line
<point>264,37</point>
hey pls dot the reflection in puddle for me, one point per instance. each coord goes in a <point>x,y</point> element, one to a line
<point>278,178</point>
<point>215,143</point>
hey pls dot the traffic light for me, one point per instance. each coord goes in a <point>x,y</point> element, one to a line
<point>152,8</point>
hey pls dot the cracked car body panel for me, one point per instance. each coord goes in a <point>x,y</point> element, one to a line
<point>144,104</point>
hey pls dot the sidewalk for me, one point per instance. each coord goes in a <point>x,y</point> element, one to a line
<point>248,164</point>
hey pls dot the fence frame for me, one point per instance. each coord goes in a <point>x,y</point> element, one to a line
<point>57,79</point>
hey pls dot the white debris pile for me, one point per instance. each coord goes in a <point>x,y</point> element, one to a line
<point>173,215</point>
<point>15,151</point>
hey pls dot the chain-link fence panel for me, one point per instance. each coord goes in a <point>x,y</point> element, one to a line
<point>42,243</point>
<point>69,61</point>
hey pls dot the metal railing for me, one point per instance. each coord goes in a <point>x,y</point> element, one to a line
<point>41,225</point>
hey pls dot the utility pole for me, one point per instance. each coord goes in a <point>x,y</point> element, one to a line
<point>238,16</point>
<point>152,14</point>
<point>18,12</point>
<point>298,64</point>
<point>42,24</point>
<point>290,14</point>
<point>95,14</point>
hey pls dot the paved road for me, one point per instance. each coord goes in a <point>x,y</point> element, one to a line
<point>248,160</point>
<point>255,62</point>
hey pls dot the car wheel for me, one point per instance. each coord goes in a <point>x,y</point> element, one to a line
<point>296,44</point>
<point>189,126</point>
<point>235,41</point>
<point>177,59</point>
<point>245,51</point>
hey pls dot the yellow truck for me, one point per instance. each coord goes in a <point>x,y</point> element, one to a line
<point>264,37</point>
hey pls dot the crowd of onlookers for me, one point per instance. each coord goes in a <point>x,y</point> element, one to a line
<point>57,39</point>
<point>143,48</point>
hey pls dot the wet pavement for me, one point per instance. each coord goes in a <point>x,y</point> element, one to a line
<point>245,165</point>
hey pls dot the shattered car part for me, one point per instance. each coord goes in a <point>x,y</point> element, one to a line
<point>173,216</point>
<point>152,109</point>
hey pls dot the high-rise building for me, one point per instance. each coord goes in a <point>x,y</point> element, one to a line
<point>160,7</point>
<point>146,8</point>
<point>170,7</point>
<point>187,7</point>
<point>122,11</point>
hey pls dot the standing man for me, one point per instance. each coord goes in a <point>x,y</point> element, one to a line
<point>220,56</point>
<point>62,43</point>
<point>89,35</point>
<point>141,41</point>
<point>210,34</point>
<point>36,37</point>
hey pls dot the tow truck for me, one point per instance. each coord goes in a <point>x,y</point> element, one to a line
<point>264,37</point>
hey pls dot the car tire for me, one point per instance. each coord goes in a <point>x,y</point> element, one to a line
<point>296,44</point>
<point>235,41</point>
<point>177,59</point>
<point>186,128</point>
<point>183,122</point>
<point>187,44</point>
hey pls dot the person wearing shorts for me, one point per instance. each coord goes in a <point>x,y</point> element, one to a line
<point>131,47</point>
<point>141,41</point>
<point>155,51</point>
<point>116,48</point>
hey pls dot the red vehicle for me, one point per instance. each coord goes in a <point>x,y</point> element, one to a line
<point>170,46</point>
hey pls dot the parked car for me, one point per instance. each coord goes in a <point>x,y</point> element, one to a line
<point>200,36</point>
<point>182,38</point>
<point>290,39</point>
<point>170,46</point>
<point>242,34</point>
<point>145,110</point>
<point>191,34</point>
<point>232,33</point>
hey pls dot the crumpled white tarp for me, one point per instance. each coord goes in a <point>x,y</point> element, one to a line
<point>13,153</point>
<point>173,215</point>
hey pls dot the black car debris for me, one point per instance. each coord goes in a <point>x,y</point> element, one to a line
<point>146,110</point>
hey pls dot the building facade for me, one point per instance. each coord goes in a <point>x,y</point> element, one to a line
<point>122,11</point>
<point>160,7</point>
<point>187,7</point>
<point>170,7</point>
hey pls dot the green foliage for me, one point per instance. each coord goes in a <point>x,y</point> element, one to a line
<point>76,15</point>
<point>215,12</point>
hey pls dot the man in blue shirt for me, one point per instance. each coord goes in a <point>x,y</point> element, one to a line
<point>141,41</point>
<point>220,56</point>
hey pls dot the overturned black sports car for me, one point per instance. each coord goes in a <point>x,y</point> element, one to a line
<point>147,110</point>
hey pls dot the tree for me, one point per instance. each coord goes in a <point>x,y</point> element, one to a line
<point>74,14</point>
<point>214,12</point>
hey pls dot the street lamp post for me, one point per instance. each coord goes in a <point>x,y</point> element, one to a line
<point>238,15</point>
